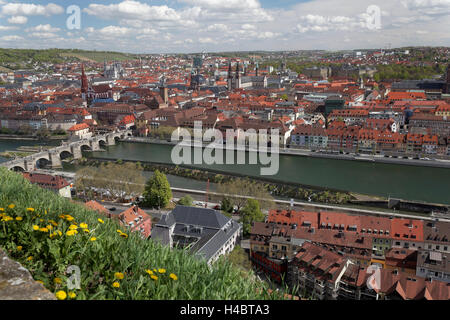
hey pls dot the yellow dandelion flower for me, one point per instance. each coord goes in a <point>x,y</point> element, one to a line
<point>69,218</point>
<point>53,223</point>
<point>71,232</point>
<point>30,258</point>
<point>86,230</point>
<point>30,209</point>
<point>93,239</point>
<point>62,216</point>
<point>83,225</point>
<point>12,206</point>
<point>72,295</point>
<point>73,227</point>
<point>57,280</point>
<point>116,285</point>
<point>173,276</point>
<point>19,248</point>
<point>35,227</point>
<point>119,231</point>
<point>19,218</point>
<point>124,235</point>
<point>43,229</point>
<point>118,275</point>
<point>150,272</point>
<point>2,209</point>
<point>40,281</point>
<point>59,232</point>
<point>100,220</point>
<point>61,295</point>
<point>154,277</point>
<point>162,270</point>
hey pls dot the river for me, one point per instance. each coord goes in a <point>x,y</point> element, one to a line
<point>399,181</point>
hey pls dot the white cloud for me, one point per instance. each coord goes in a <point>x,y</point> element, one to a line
<point>234,5</point>
<point>217,27</point>
<point>132,10</point>
<point>11,38</point>
<point>43,35</point>
<point>43,28</point>
<point>30,9</point>
<point>7,28</point>
<point>18,20</point>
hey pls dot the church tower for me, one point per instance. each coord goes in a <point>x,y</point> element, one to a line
<point>237,84</point>
<point>230,77</point>
<point>84,85</point>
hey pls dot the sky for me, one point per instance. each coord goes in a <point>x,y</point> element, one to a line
<point>184,26</point>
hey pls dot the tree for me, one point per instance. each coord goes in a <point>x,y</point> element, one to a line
<point>85,180</point>
<point>239,190</point>
<point>157,193</point>
<point>186,201</point>
<point>128,180</point>
<point>118,181</point>
<point>226,205</point>
<point>249,214</point>
<point>43,133</point>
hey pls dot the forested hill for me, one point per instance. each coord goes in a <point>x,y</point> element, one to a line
<point>14,59</point>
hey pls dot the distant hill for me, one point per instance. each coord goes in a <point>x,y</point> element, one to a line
<point>30,58</point>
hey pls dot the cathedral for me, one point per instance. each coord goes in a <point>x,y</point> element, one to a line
<point>245,82</point>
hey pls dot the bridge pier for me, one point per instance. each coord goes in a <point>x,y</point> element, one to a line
<point>76,151</point>
<point>55,159</point>
<point>95,145</point>
<point>110,140</point>
<point>29,165</point>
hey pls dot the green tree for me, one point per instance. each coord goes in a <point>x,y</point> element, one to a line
<point>186,201</point>
<point>249,214</point>
<point>226,205</point>
<point>157,193</point>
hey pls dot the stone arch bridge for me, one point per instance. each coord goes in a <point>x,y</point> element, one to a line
<point>74,149</point>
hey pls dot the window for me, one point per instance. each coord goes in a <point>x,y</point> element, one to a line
<point>274,247</point>
<point>283,248</point>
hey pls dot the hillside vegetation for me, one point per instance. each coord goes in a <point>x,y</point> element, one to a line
<point>47,233</point>
<point>29,58</point>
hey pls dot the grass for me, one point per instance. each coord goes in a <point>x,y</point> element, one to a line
<point>240,258</point>
<point>25,205</point>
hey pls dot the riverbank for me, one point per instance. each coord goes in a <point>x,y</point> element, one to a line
<point>274,187</point>
<point>436,163</point>
<point>29,138</point>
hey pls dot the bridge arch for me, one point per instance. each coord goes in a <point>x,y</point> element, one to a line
<point>41,162</point>
<point>17,168</point>
<point>85,147</point>
<point>102,142</point>
<point>65,154</point>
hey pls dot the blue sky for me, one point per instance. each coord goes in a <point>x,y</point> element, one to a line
<point>159,26</point>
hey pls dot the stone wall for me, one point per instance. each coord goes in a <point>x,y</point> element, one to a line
<point>16,282</point>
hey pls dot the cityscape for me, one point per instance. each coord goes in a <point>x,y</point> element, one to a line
<point>235,161</point>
